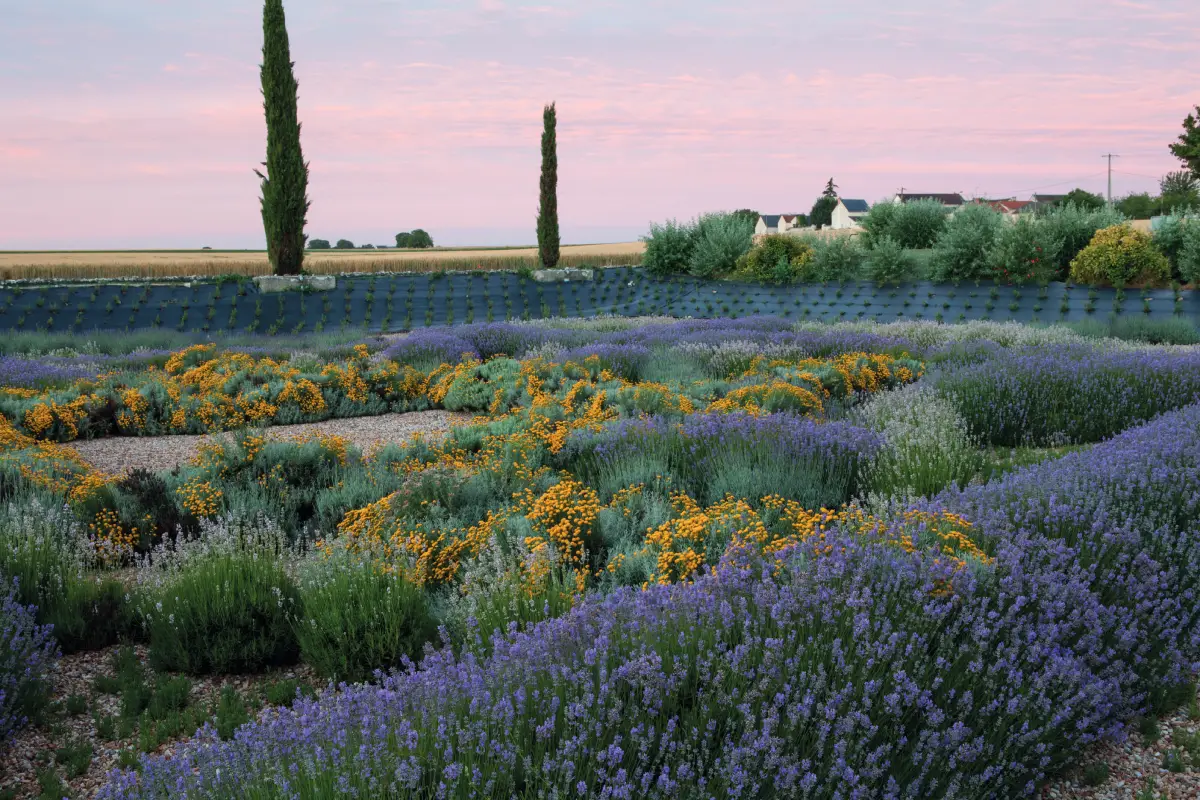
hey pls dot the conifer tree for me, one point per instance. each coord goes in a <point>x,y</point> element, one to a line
<point>284,186</point>
<point>547,220</point>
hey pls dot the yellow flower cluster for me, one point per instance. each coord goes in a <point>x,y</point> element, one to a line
<point>303,393</point>
<point>563,517</point>
<point>41,417</point>
<point>421,555</point>
<point>200,498</point>
<point>762,398</point>
<point>684,543</point>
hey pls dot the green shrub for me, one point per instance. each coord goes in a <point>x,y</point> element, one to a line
<point>878,222</point>
<point>146,502</point>
<point>230,713</point>
<point>358,619</point>
<point>916,225</point>
<point>1169,238</point>
<point>46,551</point>
<point>285,692</point>
<point>720,240</point>
<point>91,614</point>
<point>1023,253</point>
<point>224,613</point>
<point>887,262</point>
<point>1154,331</point>
<point>777,258</point>
<point>1120,256</point>
<point>1068,229</point>
<point>961,250</point>
<point>669,248</point>
<point>476,389</point>
<point>835,258</point>
<point>1095,774</point>
<point>1188,259</point>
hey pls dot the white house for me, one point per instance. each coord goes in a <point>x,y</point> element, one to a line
<point>776,223</point>
<point>849,213</point>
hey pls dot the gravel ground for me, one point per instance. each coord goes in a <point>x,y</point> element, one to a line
<point>33,748</point>
<point>119,454</point>
<point>1134,763</point>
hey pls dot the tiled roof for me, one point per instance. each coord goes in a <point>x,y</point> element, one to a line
<point>855,206</point>
<point>770,220</point>
<point>1010,206</point>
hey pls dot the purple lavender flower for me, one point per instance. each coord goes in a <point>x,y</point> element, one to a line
<point>1069,393</point>
<point>428,347</point>
<point>27,654</point>
<point>846,672</point>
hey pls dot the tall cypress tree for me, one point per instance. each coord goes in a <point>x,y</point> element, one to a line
<point>547,221</point>
<point>284,199</point>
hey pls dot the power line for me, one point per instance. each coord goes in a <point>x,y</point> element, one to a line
<point>1137,175</point>
<point>1052,185</point>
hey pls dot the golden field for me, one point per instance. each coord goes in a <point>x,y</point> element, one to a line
<point>182,263</point>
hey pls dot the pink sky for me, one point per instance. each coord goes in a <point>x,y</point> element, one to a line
<point>136,123</point>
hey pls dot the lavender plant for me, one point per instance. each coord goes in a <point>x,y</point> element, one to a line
<point>355,618</point>
<point>1068,394</point>
<point>711,455</point>
<point>27,655</point>
<point>928,444</point>
<point>223,602</point>
<point>842,673</point>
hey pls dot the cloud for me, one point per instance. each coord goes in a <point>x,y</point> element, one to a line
<point>429,113</point>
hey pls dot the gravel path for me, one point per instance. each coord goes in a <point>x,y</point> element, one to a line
<point>1136,762</point>
<point>119,454</point>
<point>33,749</point>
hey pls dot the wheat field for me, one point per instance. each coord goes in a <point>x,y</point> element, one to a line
<point>185,263</point>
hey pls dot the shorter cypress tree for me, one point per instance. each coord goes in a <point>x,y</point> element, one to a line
<point>547,221</point>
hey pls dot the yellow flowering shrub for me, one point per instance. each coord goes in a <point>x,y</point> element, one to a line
<point>696,536</point>
<point>1120,256</point>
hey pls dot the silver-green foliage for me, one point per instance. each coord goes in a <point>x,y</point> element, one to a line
<point>961,251</point>
<point>222,602</point>
<point>720,240</point>
<point>835,258</point>
<point>357,618</point>
<point>889,262</point>
<point>928,445</point>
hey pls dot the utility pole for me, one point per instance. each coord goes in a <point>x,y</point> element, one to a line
<point>1110,157</point>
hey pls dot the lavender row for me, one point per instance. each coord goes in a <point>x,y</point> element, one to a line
<point>1068,394</point>
<point>849,675</point>
<point>433,346</point>
<point>1126,510</point>
<point>712,455</point>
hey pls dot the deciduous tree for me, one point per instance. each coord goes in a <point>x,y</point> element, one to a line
<point>1187,148</point>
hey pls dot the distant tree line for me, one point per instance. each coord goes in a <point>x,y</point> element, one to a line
<point>418,239</point>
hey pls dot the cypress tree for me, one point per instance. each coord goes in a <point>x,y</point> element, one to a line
<point>284,187</point>
<point>547,221</point>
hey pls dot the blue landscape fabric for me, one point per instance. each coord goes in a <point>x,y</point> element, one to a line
<point>406,301</point>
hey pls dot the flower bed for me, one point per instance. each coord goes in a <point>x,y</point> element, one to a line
<point>671,559</point>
